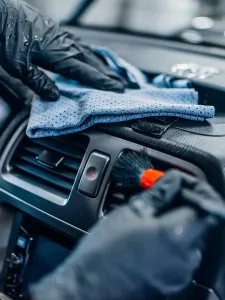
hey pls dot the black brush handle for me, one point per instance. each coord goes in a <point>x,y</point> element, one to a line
<point>215,209</point>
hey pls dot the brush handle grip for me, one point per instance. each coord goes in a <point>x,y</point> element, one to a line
<point>149,177</point>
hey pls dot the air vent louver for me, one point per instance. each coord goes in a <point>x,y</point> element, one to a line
<point>117,197</point>
<point>59,181</point>
<point>114,200</point>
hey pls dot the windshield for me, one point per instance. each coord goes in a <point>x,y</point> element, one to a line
<point>146,16</point>
<point>158,17</point>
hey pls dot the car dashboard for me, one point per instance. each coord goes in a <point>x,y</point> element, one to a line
<point>75,193</point>
<point>63,184</point>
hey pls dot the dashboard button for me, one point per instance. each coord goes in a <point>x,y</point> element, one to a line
<point>93,174</point>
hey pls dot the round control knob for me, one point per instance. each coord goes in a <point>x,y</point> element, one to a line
<point>15,260</point>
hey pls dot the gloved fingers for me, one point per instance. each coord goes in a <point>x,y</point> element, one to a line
<point>177,188</point>
<point>40,83</point>
<point>162,194</point>
<point>206,193</point>
<point>90,58</point>
<point>65,55</point>
<point>187,225</point>
<point>85,54</point>
<point>170,185</point>
<point>22,91</point>
<point>187,233</point>
<point>74,69</point>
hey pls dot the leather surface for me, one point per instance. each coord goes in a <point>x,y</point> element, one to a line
<point>214,127</point>
<point>212,146</point>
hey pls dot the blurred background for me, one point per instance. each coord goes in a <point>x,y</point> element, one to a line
<point>192,21</point>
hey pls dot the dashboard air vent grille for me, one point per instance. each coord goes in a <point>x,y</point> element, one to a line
<point>117,197</point>
<point>58,180</point>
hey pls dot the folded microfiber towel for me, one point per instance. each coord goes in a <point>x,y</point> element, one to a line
<point>80,107</point>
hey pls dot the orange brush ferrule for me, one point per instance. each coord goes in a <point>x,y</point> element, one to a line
<point>149,177</point>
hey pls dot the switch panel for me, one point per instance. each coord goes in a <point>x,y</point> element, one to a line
<point>93,174</point>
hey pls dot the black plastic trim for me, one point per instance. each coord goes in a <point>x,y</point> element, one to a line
<point>10,177</point>
<point>78,212</point>
<point>96,166</point>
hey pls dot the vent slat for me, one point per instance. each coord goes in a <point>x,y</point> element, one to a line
<point>112,207</point>
<point>71,164</point>
<point>119,198</point>
<point>43,176</point>
<point>33,149</point>
<point>19,173</point>
<point>72,142</point>
<point>60,147</point>
<point>58,172</point>
<point>114,200</point>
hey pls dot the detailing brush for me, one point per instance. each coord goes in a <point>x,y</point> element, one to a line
<point>134,169</point>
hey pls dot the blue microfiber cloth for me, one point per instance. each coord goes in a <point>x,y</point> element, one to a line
<point>80,107</point>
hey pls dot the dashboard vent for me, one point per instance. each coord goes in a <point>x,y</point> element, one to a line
<point>116,197</point>
<point>59,180</point>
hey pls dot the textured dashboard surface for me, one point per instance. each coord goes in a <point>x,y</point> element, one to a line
<point>158,56</point>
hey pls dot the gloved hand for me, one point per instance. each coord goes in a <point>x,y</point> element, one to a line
<point>15,86</point>
<point>29,40</point>
<point>133,254</point>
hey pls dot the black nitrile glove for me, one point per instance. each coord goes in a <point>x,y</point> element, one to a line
<point>15,86</point>
<point>134,254</point>
<point>29,40</point>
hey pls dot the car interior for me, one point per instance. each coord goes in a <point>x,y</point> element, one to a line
<point>48,209</point>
